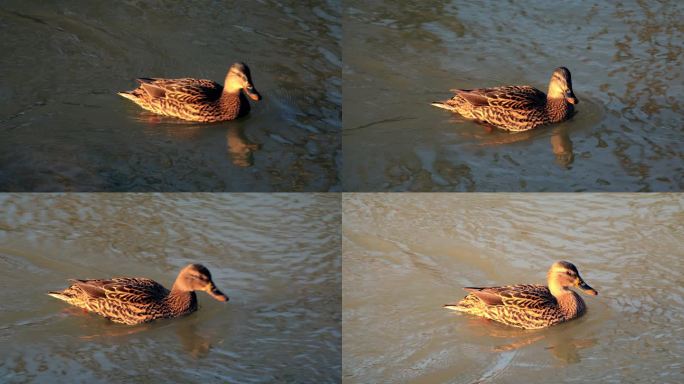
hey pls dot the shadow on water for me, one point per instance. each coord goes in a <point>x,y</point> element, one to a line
<point>559,139</point>
<point>559,341</point>
<point>189,337</point>
<point>239,149</point>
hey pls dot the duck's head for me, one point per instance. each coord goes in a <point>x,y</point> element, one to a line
<point>239,78</point>
<point>563,274</point>
<point>196,277</point>
<point>560,86</point>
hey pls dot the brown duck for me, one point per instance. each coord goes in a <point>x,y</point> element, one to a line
<point>530,306</point>
<point>135,300</point>
<point>516,108</point>
<point>197,99</point>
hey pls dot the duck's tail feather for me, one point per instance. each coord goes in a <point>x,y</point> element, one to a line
<point>453,306</point>
<point>58,295</point>
<point>128,95</point>
<point>443,105</point>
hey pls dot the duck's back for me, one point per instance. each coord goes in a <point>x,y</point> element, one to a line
<point>512,97</point>
<point>189,99</point>
<point>127,300</point>
<point>514,108</point>
<point>183,90</point>
<point>528,306</point>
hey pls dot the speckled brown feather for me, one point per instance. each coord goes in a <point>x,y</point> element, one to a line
<point>127,300</point>
<point>194,99</point>
<point>523,306</point>
<point>528,306</point>
<point>513,108</point>
<point>135,300</point>
<point>190,99</point>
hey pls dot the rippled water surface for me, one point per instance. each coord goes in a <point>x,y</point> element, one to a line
<point>626,61</point>
<point>63,128</point>
<point>276,256</point>
<point>404,255</point>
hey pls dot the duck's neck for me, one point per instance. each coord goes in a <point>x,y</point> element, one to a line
<point>234,103</point>
<point>558,109</point>
<point>229,96</point>
<point>181,301</point>
<point>569,302</point>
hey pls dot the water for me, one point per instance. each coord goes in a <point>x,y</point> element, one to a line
<point>404,255</point>
<point>63,128</point>
<point>276,256</point>
<point>626,62</point>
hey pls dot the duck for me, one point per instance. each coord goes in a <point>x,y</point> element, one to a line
<point>530,306</point>
<point>516,108</point>
<point>137,300</point>
<point>198,100</point>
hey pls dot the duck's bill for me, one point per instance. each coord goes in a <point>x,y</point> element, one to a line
<point>570,97</point>
<point>216,294</point>
<point>587,289</point>
<point>252,93</point>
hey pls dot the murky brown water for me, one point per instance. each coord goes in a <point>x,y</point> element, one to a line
<point>626,62</point>
<point>276,256</point>
<point>63,128</point>
<point>404,255</point>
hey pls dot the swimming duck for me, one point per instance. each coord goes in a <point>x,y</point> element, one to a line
<point>136,300</point>
<point>530,306</point>
<point>197,99</point>
<point>516,108</point>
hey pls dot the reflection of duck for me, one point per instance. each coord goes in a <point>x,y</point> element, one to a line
<point>197,99</point>
<point>561,145</point>
<point>530,306</point>
<point>516,108</point>
<point>241,150</point>
<point>563,345</point>
<point>131,300</point>
<point>192,341</point>
<point>566,348</point>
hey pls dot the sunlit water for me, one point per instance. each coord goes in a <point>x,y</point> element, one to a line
<point>276,256</point>
<point>63,128</point>
<point>405,255</point>
<point>626,61</point>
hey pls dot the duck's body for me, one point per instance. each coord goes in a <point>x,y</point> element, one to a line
<point>134,300</point>
<point>516,108</point>
<point>530,306</point>
<point>197,99</point>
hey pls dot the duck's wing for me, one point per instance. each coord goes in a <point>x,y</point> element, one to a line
<point>123,289</point>
<point>521,296</point>
<point>509,97</point>
<point>185,90</point>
